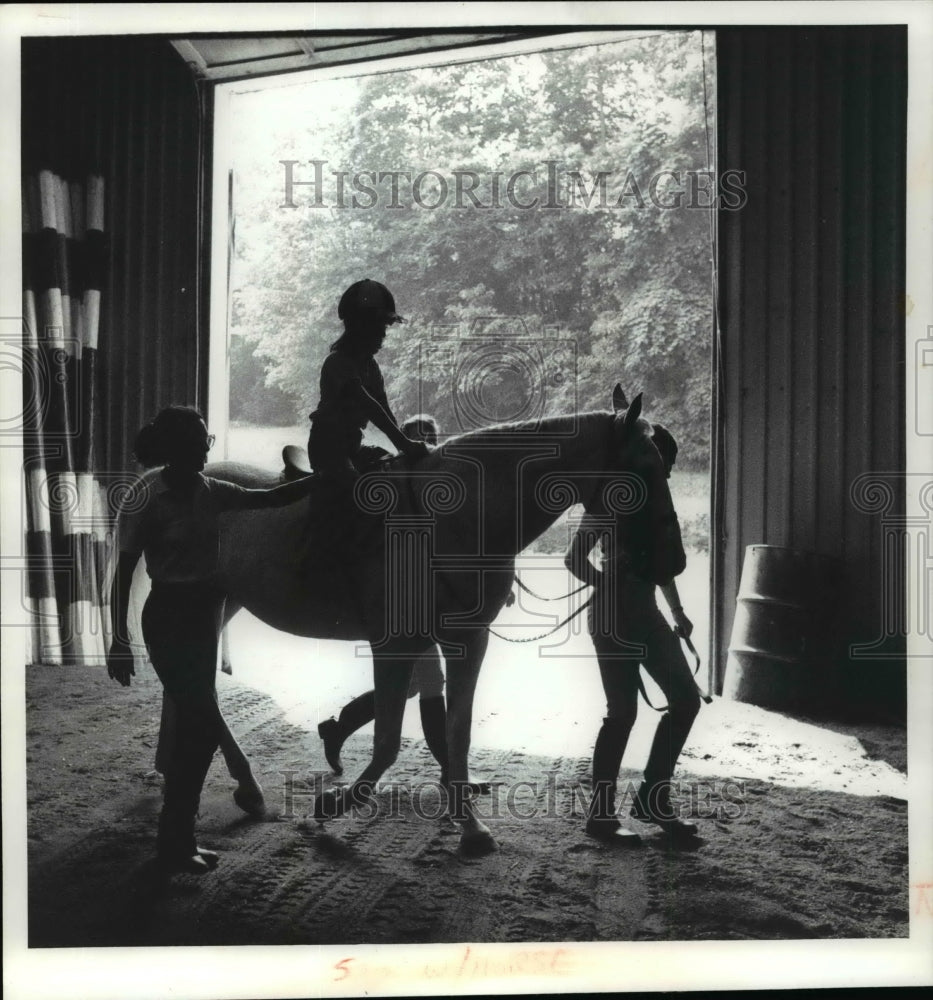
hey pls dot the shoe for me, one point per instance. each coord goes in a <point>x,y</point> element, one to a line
<point>200,863</point>
<point>336,802</point>
<point>611,831</point>
<point>209,857</point>
<point>329,731</point>
<point>252,803</point>
<point>661,813</point>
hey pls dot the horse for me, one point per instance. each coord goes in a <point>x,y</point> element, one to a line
<point>439,564</point>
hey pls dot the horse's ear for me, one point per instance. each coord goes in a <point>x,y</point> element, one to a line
<point>632,413</point>
<point>619,402</point>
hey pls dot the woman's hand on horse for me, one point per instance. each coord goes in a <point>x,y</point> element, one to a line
<point>120,663</point>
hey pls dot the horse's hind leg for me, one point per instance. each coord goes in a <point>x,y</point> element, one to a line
<point>463,667</point>
<point>248,794</point>
<point>230,609</point>
<point>392,679</point>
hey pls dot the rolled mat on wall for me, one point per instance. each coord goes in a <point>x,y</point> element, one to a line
<point>784,646</point>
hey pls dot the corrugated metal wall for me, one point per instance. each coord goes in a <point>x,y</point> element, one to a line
<point>127,109</point>
<point>812,328</point>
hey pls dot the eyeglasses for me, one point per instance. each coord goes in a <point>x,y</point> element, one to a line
<point>211,438</point>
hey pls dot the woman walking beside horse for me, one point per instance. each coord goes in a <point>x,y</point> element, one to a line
<point>173,517</point>
<point>628,630</point>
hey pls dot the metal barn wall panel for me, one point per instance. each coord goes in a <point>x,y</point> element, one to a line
<point>812,328</point>
<point>127,109</point>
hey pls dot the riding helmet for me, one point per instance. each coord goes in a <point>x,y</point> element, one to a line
<point>367,297</point>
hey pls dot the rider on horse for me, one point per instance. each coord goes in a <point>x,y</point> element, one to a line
<point>352,396</point>
<point>352,388</point>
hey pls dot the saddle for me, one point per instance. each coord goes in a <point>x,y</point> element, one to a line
<point>295,463</point>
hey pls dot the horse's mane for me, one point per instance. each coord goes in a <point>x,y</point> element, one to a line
<point>583,424</point>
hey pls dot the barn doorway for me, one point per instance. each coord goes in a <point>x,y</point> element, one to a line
<point>544,212</point>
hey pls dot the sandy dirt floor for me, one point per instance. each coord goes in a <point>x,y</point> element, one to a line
<point>804,833</point>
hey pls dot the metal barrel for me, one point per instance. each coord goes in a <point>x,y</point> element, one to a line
<point>781,654</point>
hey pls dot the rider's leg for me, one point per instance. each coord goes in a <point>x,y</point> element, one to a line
<point>331,447</point>
<point>393,677</point>
<point>334,732</point>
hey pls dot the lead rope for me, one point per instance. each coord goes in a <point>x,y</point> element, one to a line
<point>539,597</point>
<point>696,656</point>
<point>641,684</point>
<point>544,635</point>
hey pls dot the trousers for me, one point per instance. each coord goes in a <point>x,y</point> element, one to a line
<point>629,631</point>
<point>181,626</point>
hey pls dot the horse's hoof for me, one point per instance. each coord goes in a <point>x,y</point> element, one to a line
<point>329,805</point>
<point>476,845</point>
<point>252,803</point>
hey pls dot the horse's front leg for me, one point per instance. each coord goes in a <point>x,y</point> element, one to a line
<point>392,676</point>
<point>463,667</point>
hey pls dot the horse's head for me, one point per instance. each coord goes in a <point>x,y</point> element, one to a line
<point>639,494</point>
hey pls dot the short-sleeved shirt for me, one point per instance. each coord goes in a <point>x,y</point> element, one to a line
<point>338,372</point>
<point>604,533</point>
<point>179,532</point>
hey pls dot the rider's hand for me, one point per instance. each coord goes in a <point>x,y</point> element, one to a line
<point>682,624</point>
<point>415,449</point>
<point>120,663</point>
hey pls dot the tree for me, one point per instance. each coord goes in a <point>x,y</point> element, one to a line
<point>621,286</point>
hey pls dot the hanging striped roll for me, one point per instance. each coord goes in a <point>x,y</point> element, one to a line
<point>68,529</point>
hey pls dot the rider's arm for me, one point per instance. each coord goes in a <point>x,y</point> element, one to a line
<point>682,623</point>
<point>344,380</point>
<point>382,417</point>
<point>577,559</point>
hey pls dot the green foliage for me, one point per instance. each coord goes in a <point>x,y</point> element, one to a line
<point>624,285</point>
<point>252,400</point>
